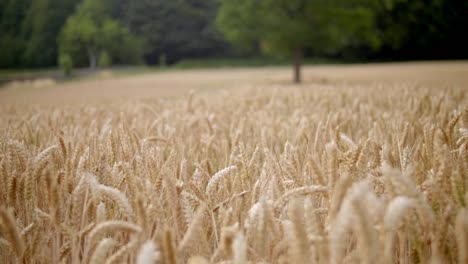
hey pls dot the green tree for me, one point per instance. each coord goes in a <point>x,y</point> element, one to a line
<point>43,22</point>
<point>422,29</point>
<point>176,28</point>
<point>288,27</point>
<point>13,33</point>
<point>91,30</point>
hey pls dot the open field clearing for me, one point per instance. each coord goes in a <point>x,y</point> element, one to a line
<point>177,83</point>
<point>360,164</point>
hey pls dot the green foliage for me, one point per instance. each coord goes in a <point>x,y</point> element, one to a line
<point>248,62</point>
<point>13,33</point>
<point>13,45</point>
<point>34,32</point>
<point>280,26</point>
<point>178,29</point>
<point>91,30</point>
<point>424,29</point>
<point>162,60</point>
<point>44,20</point>
<point>238,21</point>
<point>104,60</point>
<point>66,64</point>
<point>290,27</point>
<point>29,30</point>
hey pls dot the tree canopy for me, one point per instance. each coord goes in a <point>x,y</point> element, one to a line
<point>176,29</point>
<point>288,27</point>
<point>34,33</point>
<point>92,32</point>
<point>13,32</point>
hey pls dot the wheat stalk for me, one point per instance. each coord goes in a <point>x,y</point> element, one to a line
<point>329,173</point>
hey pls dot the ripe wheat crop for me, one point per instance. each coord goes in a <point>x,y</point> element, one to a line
<point>332,174</point>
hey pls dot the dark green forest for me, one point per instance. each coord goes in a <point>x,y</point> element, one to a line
<point>93,33</point>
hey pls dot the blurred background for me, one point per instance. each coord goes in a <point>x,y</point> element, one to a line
<point>79,36</point>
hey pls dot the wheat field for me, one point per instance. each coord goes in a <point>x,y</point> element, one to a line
<point>335,171</point>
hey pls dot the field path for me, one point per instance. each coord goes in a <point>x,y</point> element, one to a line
<point>178,82</point>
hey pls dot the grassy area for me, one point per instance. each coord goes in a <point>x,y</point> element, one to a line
<point>24,73</point>
<point>8,75</point>
<point>55,73</point>
<point>249,62</point>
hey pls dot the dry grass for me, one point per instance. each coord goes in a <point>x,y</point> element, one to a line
<point>178,83</point>
<point>324,173</point>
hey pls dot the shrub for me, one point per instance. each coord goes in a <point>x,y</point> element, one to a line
<point>104,60</point>
<point>66,64</point>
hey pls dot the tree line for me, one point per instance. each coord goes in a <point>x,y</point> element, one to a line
<point>43,33</point>
<point>34,33</point>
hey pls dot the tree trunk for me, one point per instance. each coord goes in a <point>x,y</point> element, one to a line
<point>92,59</point>
<point>297,64</point>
